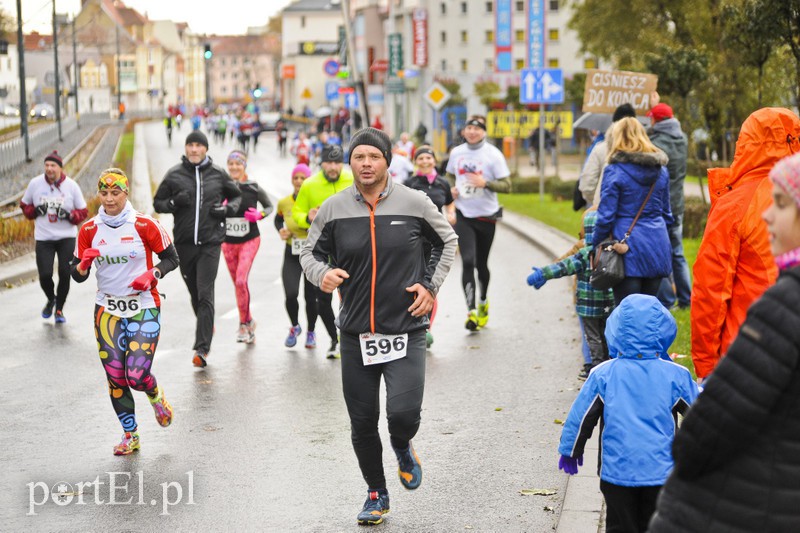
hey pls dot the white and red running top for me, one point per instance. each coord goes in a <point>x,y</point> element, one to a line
<point>126,253</point>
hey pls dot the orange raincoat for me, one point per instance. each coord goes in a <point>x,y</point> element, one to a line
<point>735,265</point>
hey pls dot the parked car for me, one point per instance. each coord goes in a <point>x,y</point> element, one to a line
<point>44,111</point>
<point>9,110</point>
<point>268,120</point>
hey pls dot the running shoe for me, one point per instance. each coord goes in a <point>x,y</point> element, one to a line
<point>472,321</point>
<point>333,351</point>
<point>47,310</point>
<point>375,507</point>
<point>409,469</point>
<point>311,340</point>
<point>251,331</point>
<point>162,408</point>
<point>483,313</point>
<point>428,339</point>
<point>243,334</point>
<point>584,373</point>
<point>291,339</point>
<point>128,444</point>
<point>60,318</point>
<point>199,359</point>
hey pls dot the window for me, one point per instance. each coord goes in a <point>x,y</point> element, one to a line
<point>554,5</point>
<point>444,8</point>
<point>235,75</point>
<point>488,65</point>
<point>489,7</point>
<point>463,65</point>
<point>303,21</point>
<point>444,37</point>
<point>489,36</point>
<point>552,34</point>
<point>223,76</point>
<point>233,61</point>
<point>589,63</point>
<point>519,64</point>
<point>520,5</point>
<point>222,61</point>
<point>519,36</point>
<point>463,36</point>
<point>444,65</point>
<point>224,90</point>
<point>552,62</point>
<point>463,8</point>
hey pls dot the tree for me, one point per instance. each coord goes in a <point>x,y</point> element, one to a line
<point>574,88</point>
<point>789,13</point>
<point>487,91</point>
<point>754,32</point>
<point>454,88</point>
<point>7,25</point>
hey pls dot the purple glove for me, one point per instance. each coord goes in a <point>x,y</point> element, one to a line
<point>536,279</point>
<point>570,464</point>
<point>253,215</point>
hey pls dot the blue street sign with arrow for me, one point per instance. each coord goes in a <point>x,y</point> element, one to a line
<point>541,86</point>
<point>351,101</point>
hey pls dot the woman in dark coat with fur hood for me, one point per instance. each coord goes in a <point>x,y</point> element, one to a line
<point>635,166</point>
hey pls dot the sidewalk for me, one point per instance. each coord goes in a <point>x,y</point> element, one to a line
<point>582,510</point>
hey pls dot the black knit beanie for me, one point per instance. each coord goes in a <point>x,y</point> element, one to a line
<point>373,137</point>
<point>625,110</point>
<point>197,137</point>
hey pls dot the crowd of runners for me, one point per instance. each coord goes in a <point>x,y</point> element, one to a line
<point>340,228</point>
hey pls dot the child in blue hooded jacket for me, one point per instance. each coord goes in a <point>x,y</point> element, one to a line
<point>638,394</point>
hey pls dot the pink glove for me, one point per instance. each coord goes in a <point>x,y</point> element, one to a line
<point>145,282</point>
<point>253,215</point>
<point>88,256</point>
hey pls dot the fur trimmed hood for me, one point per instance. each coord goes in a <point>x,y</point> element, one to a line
<point>645,159</point>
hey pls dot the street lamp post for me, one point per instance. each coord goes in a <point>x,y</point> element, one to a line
<point>57,80</point>
<point>75,73</point>
<point>23,104</point>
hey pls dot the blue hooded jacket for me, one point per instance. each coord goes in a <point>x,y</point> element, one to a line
<point>626,182</point>
<point>638,393</point>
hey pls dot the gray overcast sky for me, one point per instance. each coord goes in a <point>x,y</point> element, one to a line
<point>229,17</point>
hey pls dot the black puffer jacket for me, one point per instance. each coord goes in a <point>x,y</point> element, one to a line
<point>207,186</point>
<point>737,454</point>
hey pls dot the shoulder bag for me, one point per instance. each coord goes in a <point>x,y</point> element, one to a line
<point>608,268</point>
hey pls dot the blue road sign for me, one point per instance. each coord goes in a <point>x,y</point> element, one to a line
<point>331,67</point>
<point>541,86</point>
<point>331,90</point>
<point>351,101</point>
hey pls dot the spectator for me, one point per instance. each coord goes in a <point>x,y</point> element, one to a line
<point>401,167</point>
<point>667,135</point>
<point>589,178</point>
<point>734,265</point>
<point>636,181</point>
<point>637,395</point>
<point>406,145</point>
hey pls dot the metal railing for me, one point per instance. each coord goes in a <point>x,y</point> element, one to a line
<point>12,153</point>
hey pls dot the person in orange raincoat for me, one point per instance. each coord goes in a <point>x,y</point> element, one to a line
<point>734,265</point>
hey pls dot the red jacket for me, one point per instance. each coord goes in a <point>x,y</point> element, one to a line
<point>735,264</point>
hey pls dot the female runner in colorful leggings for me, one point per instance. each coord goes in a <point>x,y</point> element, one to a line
<point>437,188</point>
<point>243,239</point>
<point>127,320</point>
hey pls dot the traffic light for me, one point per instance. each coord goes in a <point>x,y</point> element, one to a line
<point>207,53</point>
<point>257,92</point>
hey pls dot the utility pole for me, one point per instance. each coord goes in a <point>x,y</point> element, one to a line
<point>23,105</point>
<point>359,83</point>
<point>119,90</point>
<point>75,72</point>
<point>57,81</point>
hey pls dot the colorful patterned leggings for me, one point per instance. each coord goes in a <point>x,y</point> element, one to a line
<point>127,347</point>
<point>239,258</point>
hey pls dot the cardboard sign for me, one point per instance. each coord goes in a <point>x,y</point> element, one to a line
<point>606,90</point>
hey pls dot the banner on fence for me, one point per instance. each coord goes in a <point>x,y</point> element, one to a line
<point>521,124</point>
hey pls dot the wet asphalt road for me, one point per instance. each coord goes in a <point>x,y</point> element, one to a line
<point>260,440</point>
